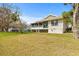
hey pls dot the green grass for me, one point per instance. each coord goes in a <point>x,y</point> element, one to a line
<point>38,44</point>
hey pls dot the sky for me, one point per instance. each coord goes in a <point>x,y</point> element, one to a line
<point>31,12</point>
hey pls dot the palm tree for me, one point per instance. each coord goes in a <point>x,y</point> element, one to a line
<point>75,20</point>
<point>75,23</point>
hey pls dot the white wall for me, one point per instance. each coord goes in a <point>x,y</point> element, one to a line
<point>60,28</point>
<point>55,29</point>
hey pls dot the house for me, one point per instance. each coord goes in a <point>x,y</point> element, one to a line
<point>50,24</point>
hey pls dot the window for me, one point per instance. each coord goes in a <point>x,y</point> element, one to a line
<point>54,23</point>
<point>45,25</point>
<point>34,25</point>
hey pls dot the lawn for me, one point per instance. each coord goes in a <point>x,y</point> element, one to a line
<point>38,44</point>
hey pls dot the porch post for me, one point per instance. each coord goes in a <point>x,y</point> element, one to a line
<point>36,30</point>
<point>38,27</point>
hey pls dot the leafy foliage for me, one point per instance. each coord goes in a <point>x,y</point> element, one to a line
<point>7,16</point>
<point>67,16</point>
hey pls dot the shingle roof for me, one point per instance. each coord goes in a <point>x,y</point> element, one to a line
<point>48,18</point>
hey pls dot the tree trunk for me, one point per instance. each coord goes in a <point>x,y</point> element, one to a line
<point>75,18</point>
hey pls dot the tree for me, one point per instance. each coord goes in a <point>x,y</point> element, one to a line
<point>23,26</point>
<point>4,16</point>
<point>75,21</point>
<point>67,17</point>
<point>8,15</point>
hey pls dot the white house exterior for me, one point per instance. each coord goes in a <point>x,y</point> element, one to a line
<point>50,24</point>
